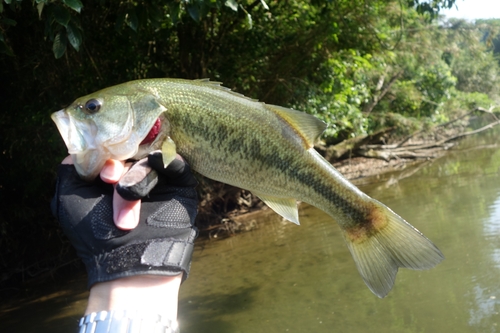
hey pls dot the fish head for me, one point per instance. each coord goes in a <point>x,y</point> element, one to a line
<point>109,124</point>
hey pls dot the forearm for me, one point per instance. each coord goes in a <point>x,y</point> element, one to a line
<point>138,304</point>
<point>149,293</point>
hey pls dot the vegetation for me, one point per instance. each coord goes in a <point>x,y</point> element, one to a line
<point>359,65</point>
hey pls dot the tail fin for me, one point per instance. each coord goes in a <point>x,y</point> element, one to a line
<point>379,251</point>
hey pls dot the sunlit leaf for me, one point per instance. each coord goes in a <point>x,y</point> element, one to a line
<point>76,5</point>
<point>264,4</point>
<point>59,46</point>
<point>249,20</point>
<point>232,4</point>
<point>39,7</point>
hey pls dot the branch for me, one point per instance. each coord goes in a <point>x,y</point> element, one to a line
<point>369,107</point>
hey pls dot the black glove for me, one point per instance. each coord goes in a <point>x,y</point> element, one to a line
<point>142,177</point>
<point>162,243</point>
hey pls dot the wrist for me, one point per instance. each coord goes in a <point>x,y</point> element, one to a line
<point>119,321</point>
<point>147,293</point>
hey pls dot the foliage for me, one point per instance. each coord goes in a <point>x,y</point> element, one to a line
<point>342,88</point>
<point>466,101</point>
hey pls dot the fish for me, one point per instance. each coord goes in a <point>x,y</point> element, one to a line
<point>263,148</point>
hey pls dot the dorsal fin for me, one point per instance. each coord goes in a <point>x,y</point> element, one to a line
<point>306,125</point>
<point>218,86</point>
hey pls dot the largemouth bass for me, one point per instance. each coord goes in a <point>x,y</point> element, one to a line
<point>263,148</point>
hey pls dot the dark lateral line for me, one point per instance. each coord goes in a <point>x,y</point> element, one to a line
<point>222,138</point>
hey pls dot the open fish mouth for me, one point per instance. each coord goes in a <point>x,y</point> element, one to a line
<point>80,139</point>
<point>77,138</point>
<point>89,154</point>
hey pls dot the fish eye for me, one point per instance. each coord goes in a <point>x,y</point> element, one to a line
<point>92,106</point>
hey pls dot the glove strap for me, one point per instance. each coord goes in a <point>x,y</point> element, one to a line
<point>125,321</point>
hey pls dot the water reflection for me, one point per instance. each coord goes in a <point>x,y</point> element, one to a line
<point>492,224</point>
<point>484,310</point>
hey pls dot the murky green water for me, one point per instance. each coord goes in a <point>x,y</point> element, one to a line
<point>287,278</point>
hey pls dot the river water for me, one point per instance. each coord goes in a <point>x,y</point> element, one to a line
<point>281,277</point>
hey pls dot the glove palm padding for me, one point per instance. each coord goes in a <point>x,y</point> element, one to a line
<point>162,243</point>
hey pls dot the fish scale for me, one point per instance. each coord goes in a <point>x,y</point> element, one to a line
<point>263,148</point>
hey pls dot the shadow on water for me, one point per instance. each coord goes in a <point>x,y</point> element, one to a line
<point>50,308</point>
<point>208,313</point>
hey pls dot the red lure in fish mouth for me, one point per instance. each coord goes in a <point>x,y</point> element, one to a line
<point>153,133</point>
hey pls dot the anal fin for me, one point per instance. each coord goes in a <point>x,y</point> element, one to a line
<point>286,207</point>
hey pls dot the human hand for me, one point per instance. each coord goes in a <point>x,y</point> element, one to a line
<point>125,212</point>
<point>162,242</point>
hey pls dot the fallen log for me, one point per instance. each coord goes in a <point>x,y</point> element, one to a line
<point>427,144</point>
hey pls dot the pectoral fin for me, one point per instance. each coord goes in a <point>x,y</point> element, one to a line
<point>168,151</point>
<point>285,207</point>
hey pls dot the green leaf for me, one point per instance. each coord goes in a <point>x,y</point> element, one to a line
<point>76,5</point>
<point>193,11</point>
<point>156,17</point>
<point>74,35</point>
<point>8,21</point>
<point>39,7</point>
<point>59,46</point>
<point>5,49</point>
<point>132,20</point>
<point>120,20</point>
<point>249,20</point>
<point>232,4</point>
<point>174,12</point>
<point>61,15</point>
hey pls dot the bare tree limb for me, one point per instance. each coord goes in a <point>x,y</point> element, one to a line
<point>369,107</point>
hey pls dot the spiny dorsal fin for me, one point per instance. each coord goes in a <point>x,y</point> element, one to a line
<point>307,126</point>
<point>218,86</point>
